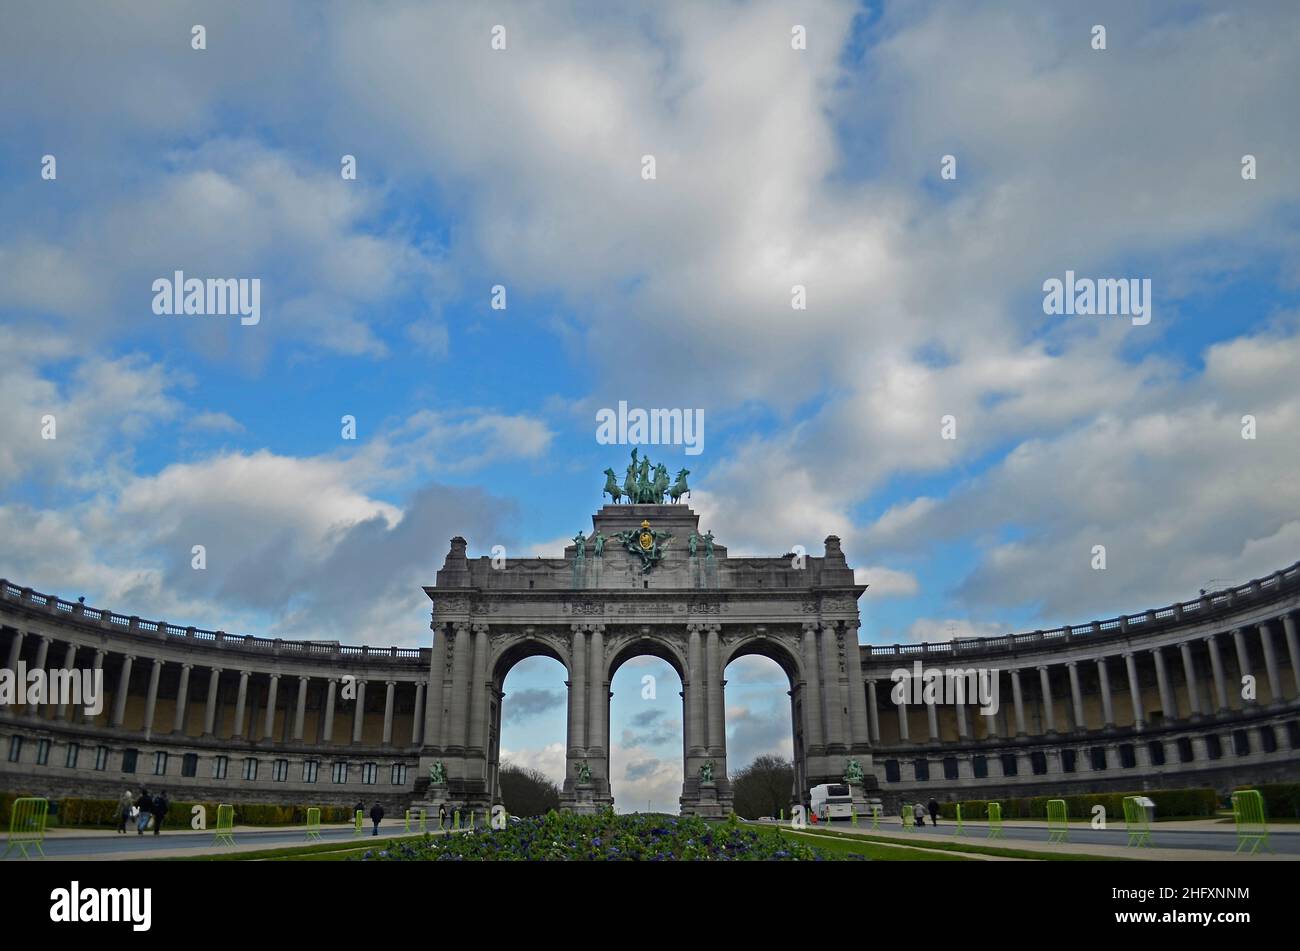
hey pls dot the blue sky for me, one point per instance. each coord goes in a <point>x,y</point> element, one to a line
<point>522,168</point>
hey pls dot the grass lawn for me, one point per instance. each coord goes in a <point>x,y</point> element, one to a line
<point>968,847</point>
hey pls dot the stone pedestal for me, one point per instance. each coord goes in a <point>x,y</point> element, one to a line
<point>582,800</point>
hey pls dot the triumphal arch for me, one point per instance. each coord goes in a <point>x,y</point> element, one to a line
<point>644,580</point>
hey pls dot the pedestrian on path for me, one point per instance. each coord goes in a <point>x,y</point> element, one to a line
<point>934,811</point>
<point>918,813</point>
<point>145,805</point>
<point>376,813</point>
<point>160,805</point>
<point>124,804</point>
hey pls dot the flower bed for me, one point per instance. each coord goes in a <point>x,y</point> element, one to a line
<point>605,838</point>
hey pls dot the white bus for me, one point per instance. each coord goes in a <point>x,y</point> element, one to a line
<point>831,801</point>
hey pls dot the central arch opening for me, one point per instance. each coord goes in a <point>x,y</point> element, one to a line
<point>647,739</point>
<point>762,734</point>
<point>527,739</point>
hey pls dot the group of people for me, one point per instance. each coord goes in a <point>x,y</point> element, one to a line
<point>142,810</point>
<point>919,811</point>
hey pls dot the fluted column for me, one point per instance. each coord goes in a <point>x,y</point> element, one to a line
<point>1134,690</point>
<point>462,650</point>
<point>1189,674</point>
<point>433,713</point>
<point>1049,712</point>
<point>859,720</point>
<point>478,690</point>
<point>903,735</point>
<point>1270,663</point>
<point>1019,700</point>
<point>713,663</point>
<point>417,717</point>
<point>963,731</point>
<point>359,713</point>
<point>300,708</point>
<point>1243,655</point>
<point>241,701</point>
<point>328,735</point>
<point>69,663</point>
<point>1107,703</point>
<point>182,699</point>
<point>151,698</point>
<point>15,651</point>
<point>391,686</point>
<point>42,652</point>
<point>1220,681</point>
<point>812,694</point>
<point>1168,701</point>
<point>1292,649</point>
<point>1076,696</point>
<point>873,713</point>
<point>268,731</point>
<point>696,731</point>
<point>210,707</point>
<point>995,693</point>
<point>831,688</point>
<point>598,698</point>
<point>123,684</point>
<point>578,692</point>
<point>932,720</point>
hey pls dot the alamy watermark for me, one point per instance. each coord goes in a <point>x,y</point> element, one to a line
<point>213,297</point>
<point>1104,297</point>
<point>57,687</point>
<point>655,427</point>
<point>949,686</point>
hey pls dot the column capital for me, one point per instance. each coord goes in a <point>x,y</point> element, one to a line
<point>578,628</point>
<point>245,674</point>
<point>274,676</point>
<point>1042,667</point>
<point>811,626</point>
<point>480,627</point>
<point>596,628</point>
<point>187,666</point>
<point>390,682</point>
<point>101,652</point>
<point>1071,663</point>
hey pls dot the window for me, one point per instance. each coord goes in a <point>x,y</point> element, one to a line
<point>1213,746</point>
<point>1127,756</point>
<point>340,772</point>
<point>1157,751</point>
<point>309,770</point>
<point>128,760</point>
<point>1069,760</point>
<point>981,765</point>
<point>101,758</point>
<point>250,768</point>
<point>1269,739</point>
<point>160,763</point>
<point>1185,752</point>
<point>190,764</point>
<point>891,771</point>
<point>399,774</point>
<point>368,773</point>
<point>1009,766</point>
<point>1038,762</point>
<point>950,767</point>
<point>280,771</point>
<point>219,766</point>
<point>74,750</point>
<point>15,748</point>
<point>42,752</point>
<point>1241,742</point>
<point>1293,733</point>
<point>1098,758</point>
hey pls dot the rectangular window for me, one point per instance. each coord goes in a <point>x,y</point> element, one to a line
<point>1293,733</point>
<point>1157,751</point>
<point>340,772</point>
<point>1185,752</point>
<point>101,758</point>
<point>1038,762</point>
<point>1268,738</point>
<point>128,760</point>
<point>369,771</point>
<point>250,768</point>
<point>281,770</point>
<point>42,752</point>
<point>399,774</point>
<point>160,763</point>
<point>1098,754</point>
<point>219,766</point>
<point>1009,765</point>
<point>15,748</point>
<point>74,750</point>
<point>190,764</point>
<point>1241,742</point>
<point>1127,756</point>
<point>309,770</point>
<point>950,767</point>
<point>1213,746</point>
<point>891,771</point>
<point>1068,760</point>
<point>981,766</point>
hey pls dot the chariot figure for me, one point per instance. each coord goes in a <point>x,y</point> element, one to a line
<point>611,486</point>
<point>680,487</point>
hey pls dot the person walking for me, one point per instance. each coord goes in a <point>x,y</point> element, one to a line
<point>160,805</point>
<point>376,813</point>
<point>145,805</point>
<point>934,812</point>
<point>442,816</point>
<point>124,804</point>
<point>918,813</point>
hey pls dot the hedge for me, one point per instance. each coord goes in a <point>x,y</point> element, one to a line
<point>1281,800</point>
<point>104,812</point>
<point>1170,804</point>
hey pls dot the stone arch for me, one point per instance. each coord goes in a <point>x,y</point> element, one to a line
<point>787,657</point>
<point>502,659</point>
<point>654,645</point>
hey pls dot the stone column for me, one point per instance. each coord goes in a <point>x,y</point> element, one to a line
<point>962,731</point>
<point>932,720</point>
<point>1270,664</point>
<point>328,735</point>
<point>96,671</point>
<point>478,692</point>
<point>598,699</point>
<point>151,698</point>
<point>1049,713</point>
<point>1189,674</point>
<point>1134,690</point>
<point>433,714</point>
<point>696,733</point>
<point>238,731</point>
<point>69,663</point>
<point>578,693</point>
<point>1107,705</point>
<point>859,720</point>
<point>42,651</point>
<point>1076,697</point>
<point>268,731</point>
<point>1020,702</point>
<point>182,700</point>
<point>359,714</point>
<point>812,694</point>
<point>713,663</point>
<point>15,651</point>
<point>831,688</point>
<point>390,685</point>
<point>461,650</point>
<point>1292,649</point>
<point>873,713</point>
<point>300,709</point>
<point>1243,654</point>
<point>1216,665</point>
<point>417,717</point>
<point>1167,699</point>
<point>903,736</point>
<point>991,719</point>
<point>210,708</point>
<point>123,684</point>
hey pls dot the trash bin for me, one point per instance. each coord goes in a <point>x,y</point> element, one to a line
<point>1147,806</point>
